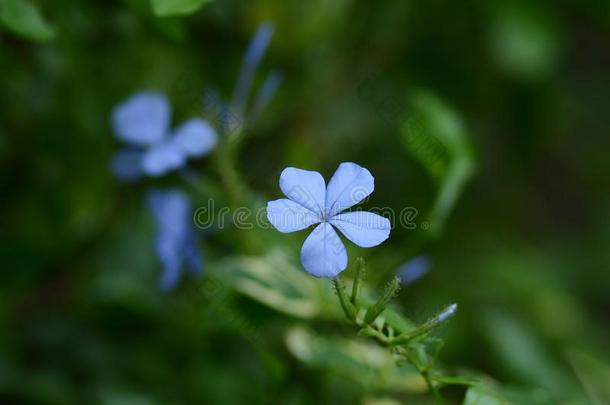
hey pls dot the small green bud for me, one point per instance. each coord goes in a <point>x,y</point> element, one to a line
<point>368,331</point>
<point>348,307</point>
<point>426,327</point>
<point>374,311</point>
<point>357,287</point>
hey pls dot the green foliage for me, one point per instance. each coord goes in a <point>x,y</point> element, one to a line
<point>524,356</point>
<point>594,374</point>
<point>24,19</point>
<point>494,394</point>
<point>435,135</point>
<point>378,307</point>
<point>364,362</point>
<point>524,40</point>
<point>166,8</point>
<point>478,395</point>
<point>517,90</point>
<point>275,281</point>
<point>412,346</point>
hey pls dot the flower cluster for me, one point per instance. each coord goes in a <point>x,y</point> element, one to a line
<point>143,123</point>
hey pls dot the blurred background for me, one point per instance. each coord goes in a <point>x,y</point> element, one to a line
<point>512,210</point>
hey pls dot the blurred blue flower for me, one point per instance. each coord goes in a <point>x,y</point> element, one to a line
<point>252,58</point>
<point>266,92</point>
<point>311,202</point>
<point>234,116</point>
<point>143,122</point>
<point>175,242</point>
<point>414,269</point>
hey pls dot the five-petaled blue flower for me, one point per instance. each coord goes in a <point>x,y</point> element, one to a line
<point>143,122</point>
<point>175,242</point>
<point>311,202</point>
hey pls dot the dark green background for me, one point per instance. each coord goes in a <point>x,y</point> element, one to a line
<point>525,252</point>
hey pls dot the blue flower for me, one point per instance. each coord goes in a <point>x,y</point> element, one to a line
<point>252,58</point>
<point>414,269</point>
<point>175,242</point>
<point>233,117</point>
<point>311,202</point>
<point>143,122</point>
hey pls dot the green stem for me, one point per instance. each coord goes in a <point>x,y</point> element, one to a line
<point>357,286</point>
<point>372,332</point>
<point>375,310</point>
<point>204,188</point>
<point>229,176</point>
<point>425,372</point>
<point>426,327</point>
<point>399,344</point>
<point>348,308</point>
<point>431,387</point>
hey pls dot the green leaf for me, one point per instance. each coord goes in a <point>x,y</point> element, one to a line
<point>479,395</point>
<point>363,361</point>
<point>391,317</point>
<point>524,39</point>
<point>166,8</point>
<point>436,137</point>
<point>376,309</point>
<point>494,394</point>
<point>24,19</point>
<point>397,321</point>
<point>274,281</point>
<point>458,380</point>
<point>593,373</point>
<point>525,356</point>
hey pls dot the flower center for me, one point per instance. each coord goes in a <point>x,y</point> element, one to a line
<point>325,217</point>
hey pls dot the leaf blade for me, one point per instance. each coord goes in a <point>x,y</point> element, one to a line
<point>25,19</point>
<point>168,8</point>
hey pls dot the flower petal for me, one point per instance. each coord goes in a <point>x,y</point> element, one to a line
<point>323,254</point>
<point>414,269</point>
<point>168,253</point>
<point>365,229</point>
<point>258,44</point>
<point>192,256</point>
<point>175,241</point>
<point>252,58</point>
<point>162,159</point>
<point>126,165</point>
<point>304,187</point>
<point>349,185</point>
<point>171,210</point>
<point>287,216</point>
<point>195,137</point>
<point>142,119</point>
<point>265,93</point>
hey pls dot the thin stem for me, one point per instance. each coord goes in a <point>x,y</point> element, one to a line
<point>204,187</point>
<point>426,327</point>
<point>348,308</point>
<point>431,387</point>
<point>375,310</point>
<point>399,344</point>
<point>357,286</point>
<point>225,162</point>
<point>372,332</point>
